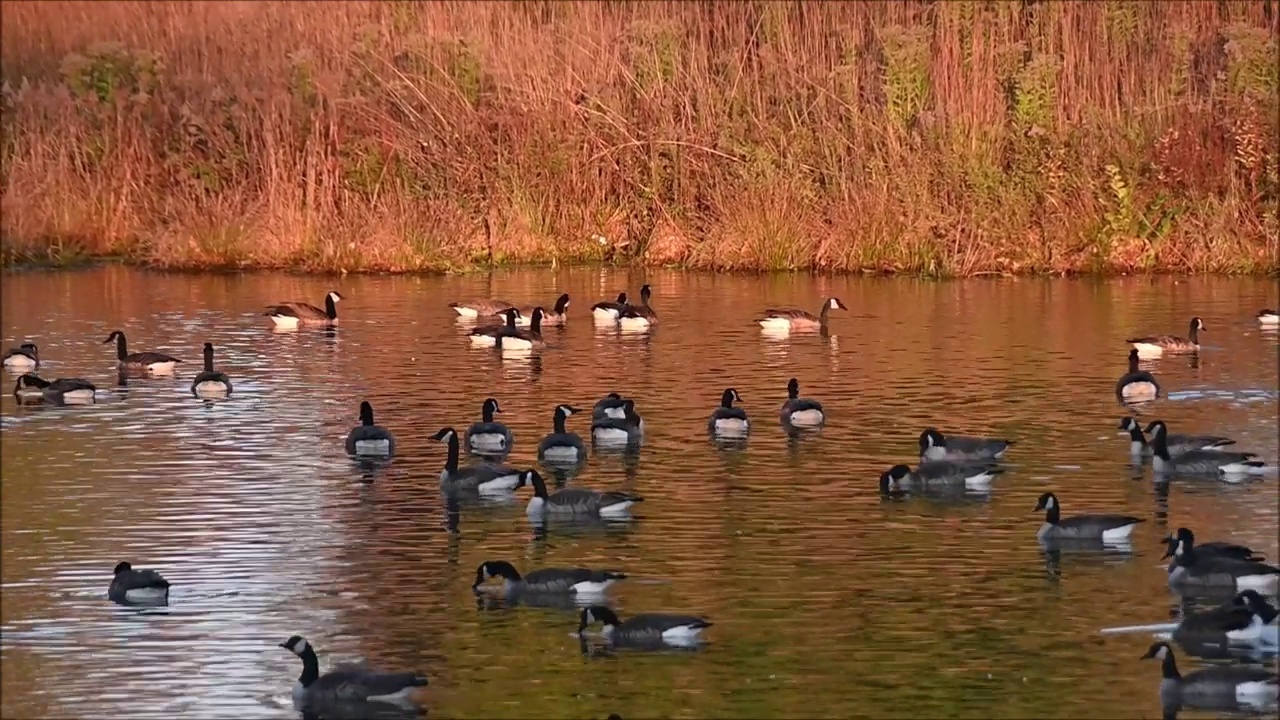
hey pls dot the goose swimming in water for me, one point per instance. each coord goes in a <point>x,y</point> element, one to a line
<point>638,317</point>
<point>487,335</point>
<point>488,436</point>
<point>24,358</point>
<point>972,476</point>
<point>1107,528</point>
<point>63,391</point>
<point>525,339</point>
<point>1154,346</point>
<point>576,501</point>
<point>347,683</point>
<point>151,362</point>
<point>370,439</point>
<point>1198,462</point>
<point>609,311</point>
<point>485,478</point>
<point>140,587</point>
<point>792,319</point>
<point>727,420</point>
<point>1207,571</point>
<point>801,412</point>
<point>627,430</point>
<point>562,446</point>
<point>547,580</point>
<point>1136,385</point>
<point>1215,687</point>
<point>935,446</point>
<point>290,315</point>
<point>1177,444</point>
<point>210,383</point>
<point>644,628</point>
<point>1213,547</point>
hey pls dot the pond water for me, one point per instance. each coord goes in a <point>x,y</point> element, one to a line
<point>827,601</point>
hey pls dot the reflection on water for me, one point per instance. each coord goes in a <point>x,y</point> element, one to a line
<point>828,601</point>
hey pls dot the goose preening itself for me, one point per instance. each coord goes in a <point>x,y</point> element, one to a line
<point>1266,619</point>
<point>369,439</point>
<point>1208,571</point>
<point>1198,462</point>
<point>31,388</point>
<point>480,308</point>
<point>558,314</point>
<point>485,478</point>
<point>488,436</point>
<point>562,446</point>
<point>800,412</point>
<point>936,446</point>
<point>608,312</point>
<point>290,315</point>
<point>525,338</point>
<point>1107,528</point>
<point>151,362</point>
<point>609,406</point>
<point>1213,547</point>
<point>1233,622</point>
<point>1137,385</point>
<point>789,319</point>
<point>576,501</point>
<point>1268,317</point>
<point>24,358</point>
<point>1154,346</point>
<point>727,420</point>
<point>638,317</point>
<point>577,581</point>
<point>487,335</point>
<point>1215,687</point>
<point>644,628</point>
<point>137,587</point>
<point>972,476</point>
<point>210,383</point>
<point>626,430</point>
<point>1177,444</point>
<point>347,683</point>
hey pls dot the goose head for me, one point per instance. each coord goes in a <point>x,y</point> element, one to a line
<point>490,407</point>
<point>596,614</point>
<point>1158,650</point>
<point>494,568</point>
<point>729,397</point>
<point>1197,324</point>
<point>444,434</point>
<point>531,477</point>
<point>565,410</point>
<point>793,388</point>
<point>366,413</point>
<point>1128,424</point>
<point>335,296</point>
<point>891,479</point>
<point>31,380</point>
<point>1156,428</point>
<point>835,304</point>
<point>1047,502</point>
<point>931,438</point>
<point>121,567</point>
<point>297,645</point>
<point>562,304</point>
<point>645,294</point>
<point>115,335</point>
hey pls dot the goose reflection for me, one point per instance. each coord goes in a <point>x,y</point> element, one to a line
<point>349,710</point>
<point>1083,551</point>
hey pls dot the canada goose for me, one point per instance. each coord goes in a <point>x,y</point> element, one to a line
<point>1232,621</point>
<point>486,478</point>
<point>488,436</point>
<point>546,580</point>
<point>798,411</point>
<point>290,315</point>
<point>646,627</point>
<point>22,358</point>
<point>636,317</point>
<point>1108,528</point>
<point>129,586</point>
<point>1266,621</point>
<point>788,319</point>
<point>935,446</point>
<point>158,363</point>
<point>1198,462</point>
<point>1196,570</point>
<point>1216,686</point>
<point>73,391</point>
<point>973,476</point>
<point>628,429</point>
<point>728,420</point>
<point>525,339</point>
<point>369,439</point>
<point>347,683</point>
<point>559,312</point>
<point>210,382</point>
<point>609,406</point>
<point>575,501</point>
<point>1177,444</point>
<point>1153,346</point>
<point>1136,385</point>
<point>480,308</point>
<point>560,445</point>
<point>1268,317</point>
<point>487,335</point>
<point>606,311</point>
<point>1214,547</point>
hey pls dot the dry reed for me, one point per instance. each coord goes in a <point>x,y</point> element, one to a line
<point>948,138</point>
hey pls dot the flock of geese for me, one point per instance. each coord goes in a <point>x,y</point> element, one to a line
<point>945,461</point>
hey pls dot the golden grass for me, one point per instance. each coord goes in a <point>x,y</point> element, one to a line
<point>953,138</point>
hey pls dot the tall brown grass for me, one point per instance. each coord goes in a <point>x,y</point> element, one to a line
<point>954,138</point>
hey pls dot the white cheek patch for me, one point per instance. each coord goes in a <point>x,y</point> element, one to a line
<point>300,648</point>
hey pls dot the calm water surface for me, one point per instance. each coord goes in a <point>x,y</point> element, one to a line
<point>827,602</point>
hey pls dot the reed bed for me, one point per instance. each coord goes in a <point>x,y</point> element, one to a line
<point>945,138</point>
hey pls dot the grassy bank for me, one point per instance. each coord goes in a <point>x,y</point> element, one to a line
<point>951,138</point>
